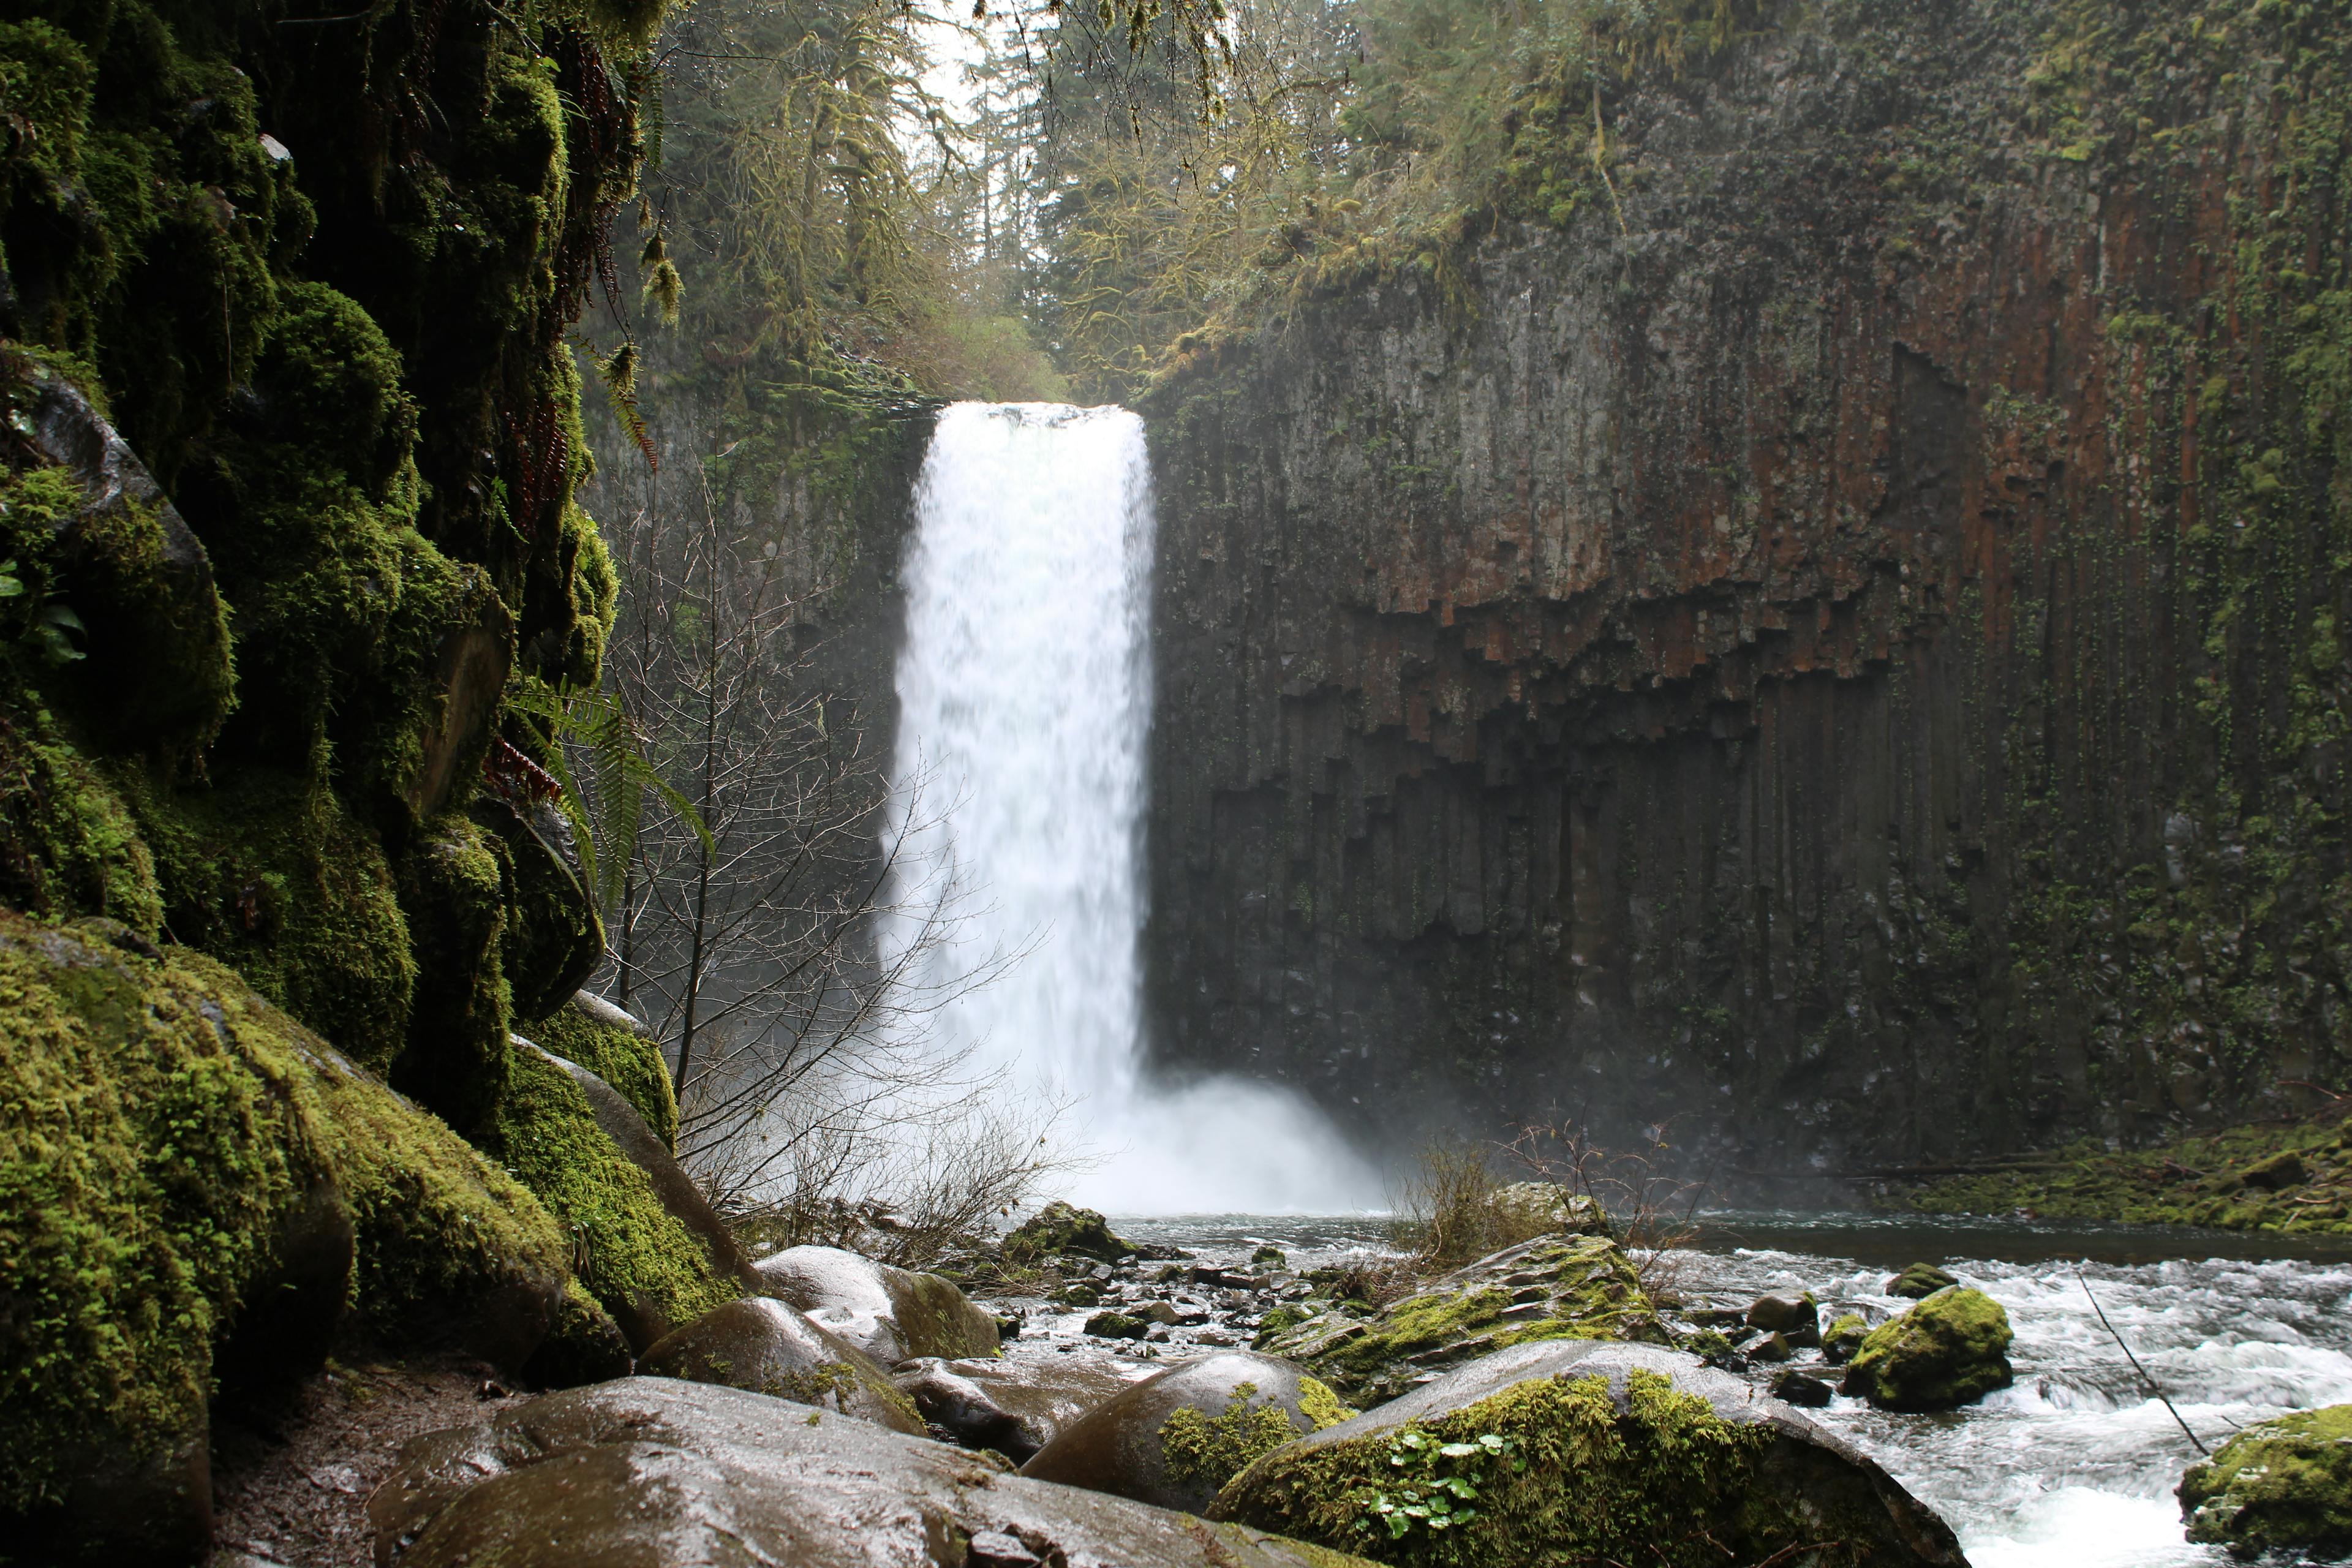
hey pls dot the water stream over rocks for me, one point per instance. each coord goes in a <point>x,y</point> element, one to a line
<point>2073,1467</point>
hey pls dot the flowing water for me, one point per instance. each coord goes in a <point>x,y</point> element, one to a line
<point>1024,706</point>
<point>2073,1467</point>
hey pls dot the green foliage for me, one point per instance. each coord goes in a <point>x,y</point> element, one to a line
<point>1436,1482</point>
<point>1206,1451</point>
<point>627,1060</point>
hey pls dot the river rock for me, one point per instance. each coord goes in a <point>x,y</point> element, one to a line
<point>1843,1337</point>
<point>1013,1406</point>
<point>1801,1389</point>
<point>1920,1281</point>
<point>1552,1287</point>
<point>1547,1207</point>
<point>1646,1456</point>
<point>658,1474</point>
<point>1950,1350</point>
<point>2281,1485</point>
<point>1174,1439</point>
<point>1796,1317</point>
<point>1116,1326</point>
<point>762,1344</point>
<point>1064,1230</point>
<point>891,1314</point>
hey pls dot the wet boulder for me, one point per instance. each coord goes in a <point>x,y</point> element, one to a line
<point>1950,1350</point>
<point>1175,1439</point>
<point>762,1344</point>
<point>1587,1452</point>
<point>1919,1281</point>
<point>670,1474</point>
<point>1534,1206</point>
<point>1796,1317</point>
<point>1552,1287</point>
<point>891,1314</point>
<point>1801,1389</point>
<point>1116,1326</point>
<point>1013,1406</point>
<point>2281,1485</point>
<point>1064,1230</point>
<point>1843,1337</point>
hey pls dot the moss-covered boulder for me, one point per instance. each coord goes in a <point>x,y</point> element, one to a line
<point>645,1243</point>
<point>177,1150</point>
<point>1950,1350</point>
<point>1549,1289</point>
<point>612,1043</point>
<point>1921,1281</point>
<point>1529,1207</point>
<point>651,1471</point>
<point>1063,1230</point>
<point>1843,1337</point>
<point>2282,1486</point>
<point>760,1343</point>
<point>1571,1452</point>
<point>1174,1439</point>
<point>891,1314</point>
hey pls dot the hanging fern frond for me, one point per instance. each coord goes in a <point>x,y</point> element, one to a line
<point>602,776</point>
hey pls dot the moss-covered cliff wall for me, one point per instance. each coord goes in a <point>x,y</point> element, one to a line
<point>1832,635</point>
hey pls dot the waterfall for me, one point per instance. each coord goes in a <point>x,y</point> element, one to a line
<point>1024,692</point>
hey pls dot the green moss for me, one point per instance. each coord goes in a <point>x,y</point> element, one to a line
<point>632,1257</point>
<point>629,1061</point>
<point>165,1121</point>
<point>1320,1405</point>
<point>1843,1337</point>
<point>1562,1477</point>
<point>1950,1350</point>
<point>1205,1451</point>
<point>1062,1230</point>
<point>2189,1181</point>
<point>452,889</point>
<point>2285,1486</point>
<point>75,849</point>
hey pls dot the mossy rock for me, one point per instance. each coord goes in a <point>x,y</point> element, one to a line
<point>1553,1288</point>
<point>1921,1281</point>
<point>639,1260</point>
<point>1583,1453</point>
<point>172,1136</point>
<point>1174,1439</point>
<point>616,1048</point>
<point>1950,1350</point>
<point>1843,1337</point>
<point>2284,1485</point>
<point>891,1314</point>
<point>1063,1230</point>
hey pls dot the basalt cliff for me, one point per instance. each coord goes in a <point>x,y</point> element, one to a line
<point>1816,621</point>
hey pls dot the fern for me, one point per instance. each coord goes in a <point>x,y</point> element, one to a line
<point>606,814</point>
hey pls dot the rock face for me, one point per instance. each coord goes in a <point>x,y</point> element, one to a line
<point>1584,1452</point>
<point>891,1314</point>
<point>670,1474</point>
<point>1174,1439</point>
<point>1950,1350</point>
<point>762,1345</point>
<point>1812,662</point>
<point>1548,1289</point>
<point>1015,1407</point>
<point>2284,1485</point>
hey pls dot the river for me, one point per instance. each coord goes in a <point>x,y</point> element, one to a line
<point>2074,1466</point>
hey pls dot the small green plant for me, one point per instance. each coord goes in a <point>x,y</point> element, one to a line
<point>1436,1481</point>
<point>50,623</point>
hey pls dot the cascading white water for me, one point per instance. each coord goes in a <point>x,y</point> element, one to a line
<point>1024,704</point>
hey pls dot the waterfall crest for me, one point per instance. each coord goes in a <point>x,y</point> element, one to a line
<point>1025,691</point>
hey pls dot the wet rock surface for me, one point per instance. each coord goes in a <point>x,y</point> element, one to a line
<point>1921,1281</point>
<point>658,1473</point>
<point>1015,1404</point>
<point>764,1346</point>
<point>2283,1485</point>
<point>891,1314</point>
<point>1585,1451</point>
<point>1175,1438</point>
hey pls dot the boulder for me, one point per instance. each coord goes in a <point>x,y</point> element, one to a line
<point>1948,1351</point>
<point>1548,1289</point>
<point>891,1314</point>
<point>2281,1485</point>
<point>614,1044</point>
<point>1587,1452</point>
<point>1063,1230</point>
<point>669,1475</point>
<point>1801,1389</point>
<point>1269,1256</point>
<point>1528,1206</point>
<point>760,1344</point>
<point>1920,1281</point>
<point>1174,1439</point>
<point>1013,1406</point>
<point>1796,1317</point>
<point>2280,1171</point>
<point>1116,1326</point>
<point>1843,1337</point>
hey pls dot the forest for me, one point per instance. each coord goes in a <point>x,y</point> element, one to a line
<point>1175,783</point>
